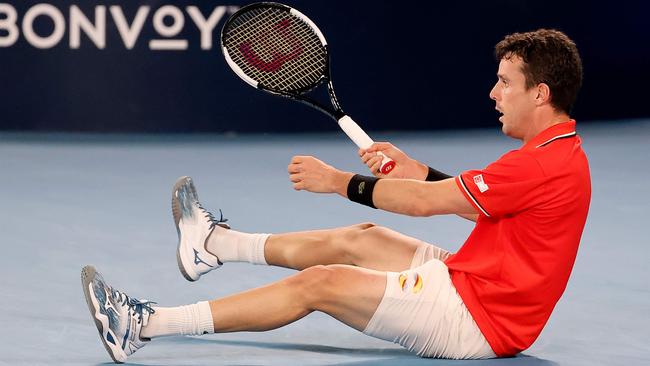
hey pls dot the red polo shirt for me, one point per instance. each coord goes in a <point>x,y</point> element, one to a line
<point>515,264</point>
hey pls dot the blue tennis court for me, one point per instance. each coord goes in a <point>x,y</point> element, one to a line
<point>71,200</point>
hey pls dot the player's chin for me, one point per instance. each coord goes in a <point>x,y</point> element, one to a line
<point>510,132</point>
<point>505,128</point>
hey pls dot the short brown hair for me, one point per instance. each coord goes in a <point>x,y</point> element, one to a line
<point>549,57</point>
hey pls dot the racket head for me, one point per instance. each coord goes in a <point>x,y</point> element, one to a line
<point>276,48</point>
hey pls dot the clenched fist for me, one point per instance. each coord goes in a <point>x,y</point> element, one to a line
<point>310,174</point>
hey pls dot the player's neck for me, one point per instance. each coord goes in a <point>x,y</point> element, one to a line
<point>543,121</point>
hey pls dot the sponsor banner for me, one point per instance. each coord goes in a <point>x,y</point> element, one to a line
<point>45,26</point>
<point>156,66</point>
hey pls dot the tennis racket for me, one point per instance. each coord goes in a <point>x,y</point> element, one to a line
<point>279,50</point>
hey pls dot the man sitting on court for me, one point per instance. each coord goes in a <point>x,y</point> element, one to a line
<point>491,298</point>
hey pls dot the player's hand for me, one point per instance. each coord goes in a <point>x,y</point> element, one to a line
<point>405,167</point>
<point>310,174</point>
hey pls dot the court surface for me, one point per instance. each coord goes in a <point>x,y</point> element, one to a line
<point>71,200</point>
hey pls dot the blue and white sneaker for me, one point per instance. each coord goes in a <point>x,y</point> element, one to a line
<point>118,317</point>
<point>194,225</point>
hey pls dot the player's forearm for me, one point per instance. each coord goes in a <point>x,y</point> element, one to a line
<point>433,175</point>
<point>419,170</point>
<point>340,182</point>
<point>404,196</point>
<point>410,197</point>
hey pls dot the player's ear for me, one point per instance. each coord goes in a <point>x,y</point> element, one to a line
<point>543,94</point>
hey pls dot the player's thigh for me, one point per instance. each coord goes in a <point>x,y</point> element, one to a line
<point>378,247</point>
<point>385,249</point>
<point>348,293</point>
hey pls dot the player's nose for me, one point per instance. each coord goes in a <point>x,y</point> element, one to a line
<point>493,93</point>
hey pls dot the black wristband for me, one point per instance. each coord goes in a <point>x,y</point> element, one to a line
<point>435,175</point>
<point>360,189</point>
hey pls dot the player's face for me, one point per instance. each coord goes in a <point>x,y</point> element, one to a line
<point>515,103</point>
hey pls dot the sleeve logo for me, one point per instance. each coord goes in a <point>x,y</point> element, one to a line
<point>478,180</point>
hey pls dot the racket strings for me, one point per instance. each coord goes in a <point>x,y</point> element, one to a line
<point>276,49</point>
<point>284,47</point>
<point>289,44</point>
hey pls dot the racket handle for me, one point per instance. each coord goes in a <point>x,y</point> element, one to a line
<point>356,134</point>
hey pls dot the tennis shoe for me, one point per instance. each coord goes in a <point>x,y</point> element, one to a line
<point>118,317</point>
<point>194,225</point>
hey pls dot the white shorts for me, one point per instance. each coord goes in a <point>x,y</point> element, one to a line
<point>422,311</point>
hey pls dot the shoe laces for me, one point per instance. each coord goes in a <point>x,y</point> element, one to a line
<point>135,306</point>
<point>213,221</point>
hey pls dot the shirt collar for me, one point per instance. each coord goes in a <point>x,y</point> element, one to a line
<point>558,131</point>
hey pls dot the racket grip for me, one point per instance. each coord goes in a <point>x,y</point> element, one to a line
<point>361,139</point>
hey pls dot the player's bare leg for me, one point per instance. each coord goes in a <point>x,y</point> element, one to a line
<point>364,245</point>
<point>349,294</point>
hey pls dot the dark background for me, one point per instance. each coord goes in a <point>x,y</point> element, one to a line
<point>396,66</point>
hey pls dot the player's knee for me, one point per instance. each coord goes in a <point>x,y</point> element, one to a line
<point>348,240</point>
<point>361,233</point>
<point>364,226</point>
<point>308,279</point>
<point>356,232</point>
<point>375,231</point>
<point>313,284</point>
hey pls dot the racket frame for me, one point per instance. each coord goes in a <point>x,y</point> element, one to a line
<point>298,94</point>
<point>336,112</point>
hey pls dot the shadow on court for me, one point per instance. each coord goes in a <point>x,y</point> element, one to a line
<point>384,356</point>
<point>317,348</point>
<point>400,357</point>
<point>520,360</point>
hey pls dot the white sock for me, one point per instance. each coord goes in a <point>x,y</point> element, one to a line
<point>195,319</point>
<point>234,246</point>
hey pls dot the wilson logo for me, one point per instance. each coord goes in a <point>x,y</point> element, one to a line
<point>168,22</point>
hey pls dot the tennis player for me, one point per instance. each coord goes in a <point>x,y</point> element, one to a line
<point>490,299</point>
